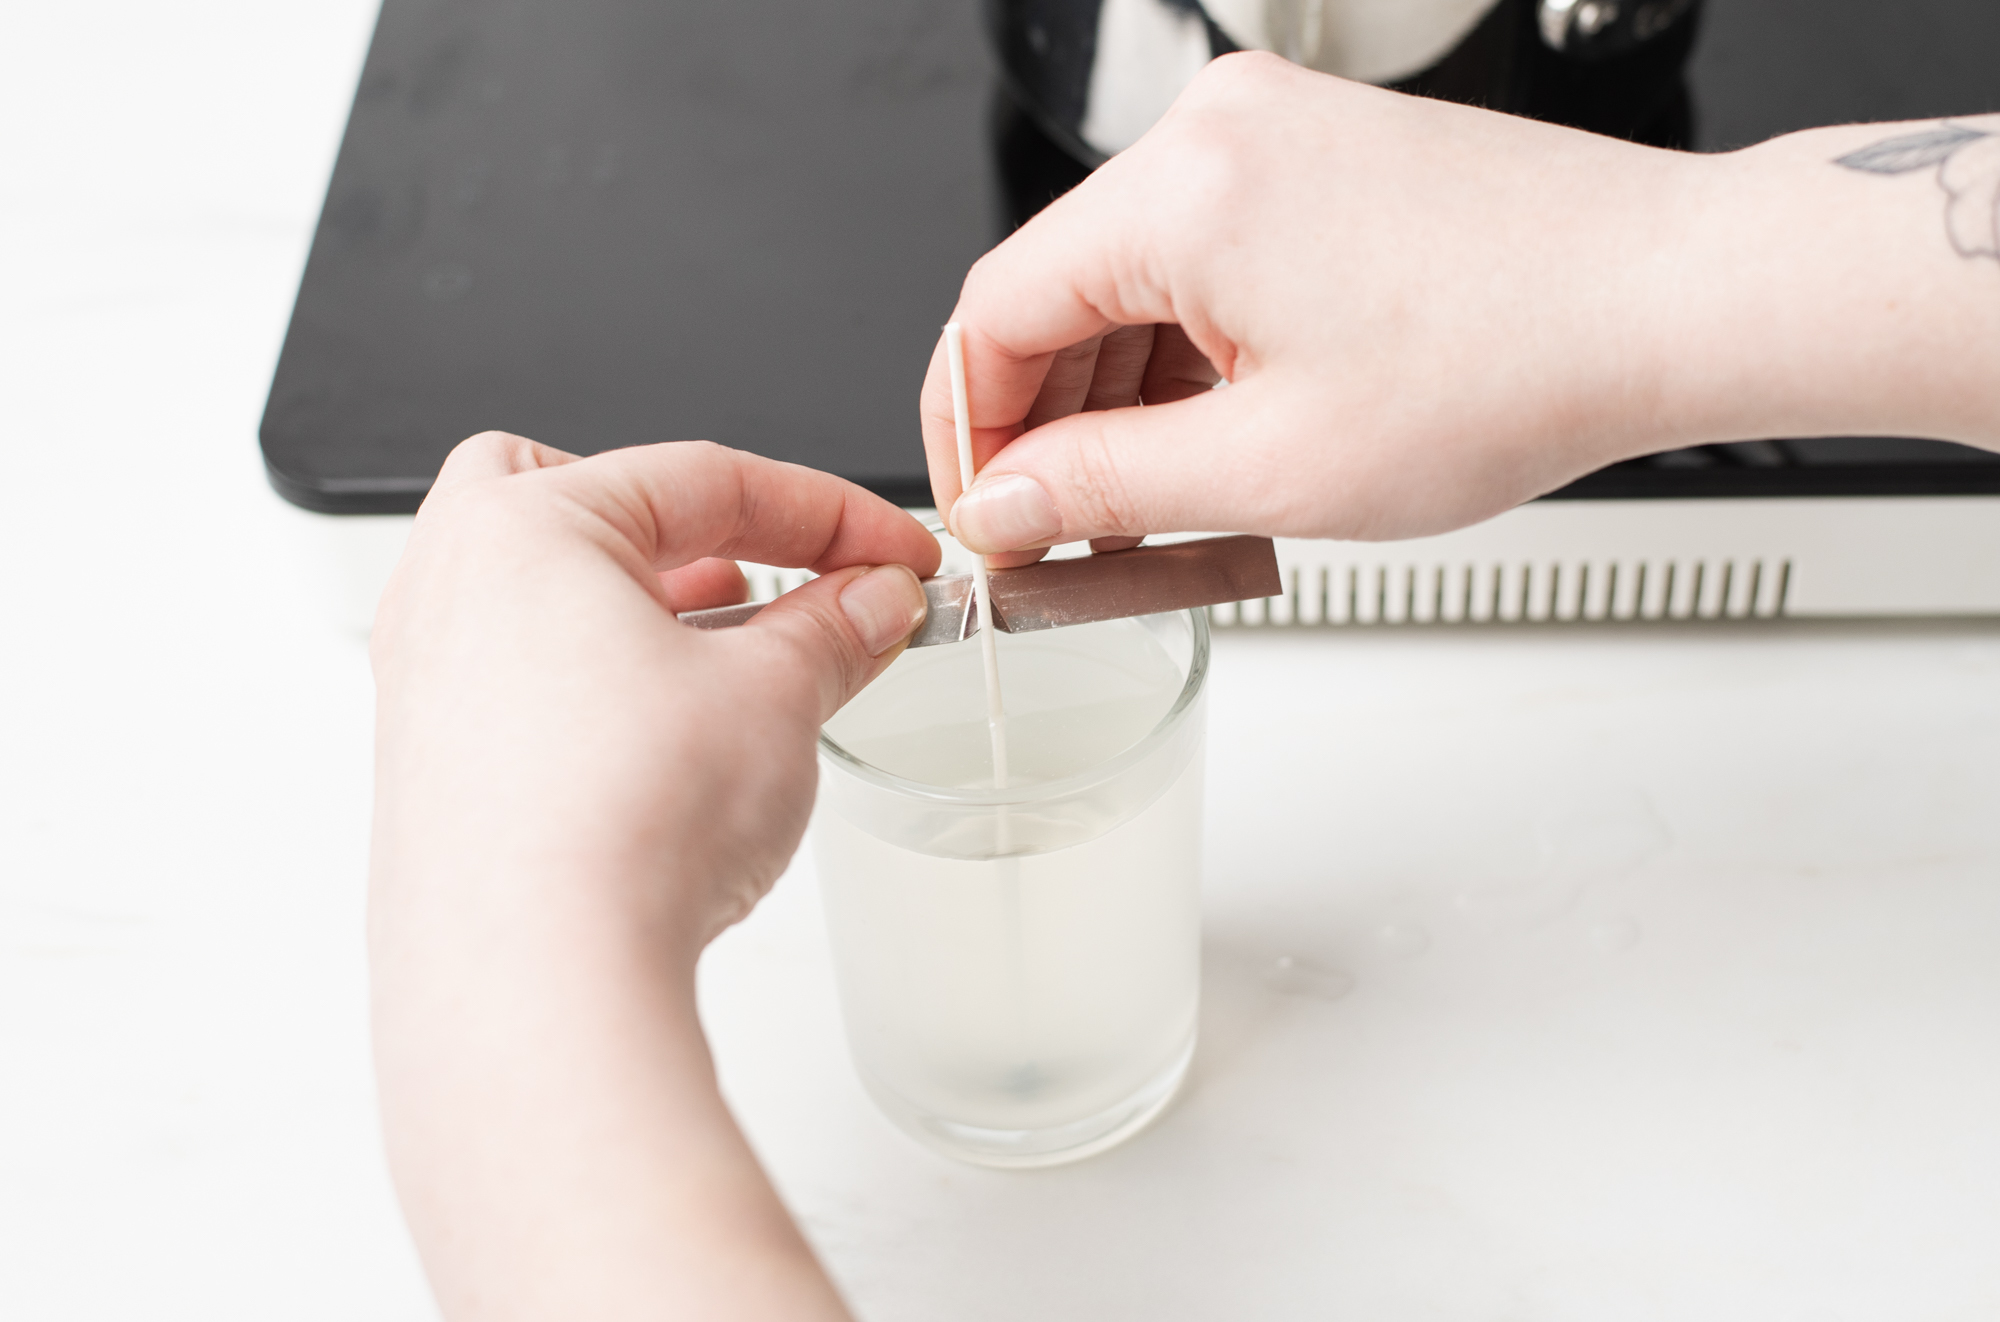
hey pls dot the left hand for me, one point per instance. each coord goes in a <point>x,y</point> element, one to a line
<point>540,707</point>
<point>574,793</point>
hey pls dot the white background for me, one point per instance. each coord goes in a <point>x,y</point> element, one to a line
<point>1552,973</point>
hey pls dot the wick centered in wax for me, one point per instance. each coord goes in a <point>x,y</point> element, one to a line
<point>982,597</point>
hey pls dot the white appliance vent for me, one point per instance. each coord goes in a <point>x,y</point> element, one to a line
<point>1386,592</point>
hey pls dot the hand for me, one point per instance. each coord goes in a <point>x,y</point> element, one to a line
<point>1386,282</point>
<point>540,707</point>
<point>1428,314</point>
<point>575,792</point>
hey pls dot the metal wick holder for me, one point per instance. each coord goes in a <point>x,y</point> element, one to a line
<point>1114,585</point>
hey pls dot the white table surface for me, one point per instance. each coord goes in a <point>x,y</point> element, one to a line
<point>1590,973</point>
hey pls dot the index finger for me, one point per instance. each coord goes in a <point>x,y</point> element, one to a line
<point>1081,268</point>
<point>1013,332</point>
<point>682,501</point>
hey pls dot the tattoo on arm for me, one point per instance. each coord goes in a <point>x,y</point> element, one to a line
<point>1968,170</point>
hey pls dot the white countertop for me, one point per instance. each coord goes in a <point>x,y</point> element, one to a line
<point>1551,973</point>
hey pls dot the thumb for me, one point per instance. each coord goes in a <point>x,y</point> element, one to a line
<point>842,629</point>
<point>1199,464</point>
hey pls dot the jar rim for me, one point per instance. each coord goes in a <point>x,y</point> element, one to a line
<point>1041,791</point>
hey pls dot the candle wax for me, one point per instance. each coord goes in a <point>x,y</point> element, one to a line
<point>1011,1000</point>
<point>1076,698</point>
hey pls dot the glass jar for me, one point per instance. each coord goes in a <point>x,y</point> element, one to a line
<point>1019,965</point>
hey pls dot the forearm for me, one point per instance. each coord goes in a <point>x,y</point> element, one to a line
<point>1820,298</point>
<point>574,793</point>
<point>551,1113</point>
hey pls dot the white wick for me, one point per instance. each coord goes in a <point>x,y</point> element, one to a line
<point>982,598</point>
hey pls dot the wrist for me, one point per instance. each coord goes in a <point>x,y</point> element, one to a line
<point>1815,301</point>
<point>1656,319</point>
<point>1620,298</point>
<point>520,911</point>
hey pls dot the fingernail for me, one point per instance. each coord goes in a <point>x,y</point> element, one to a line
<point>884,605</point>
<point>1006,513</point>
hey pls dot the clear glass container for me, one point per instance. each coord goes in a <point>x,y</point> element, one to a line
<point>1019,966</point>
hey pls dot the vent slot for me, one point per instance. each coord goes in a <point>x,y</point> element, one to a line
<point>1521,592</point>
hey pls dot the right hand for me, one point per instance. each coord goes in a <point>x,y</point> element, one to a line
<point>1426,314</point>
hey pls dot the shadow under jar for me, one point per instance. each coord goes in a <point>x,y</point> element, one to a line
<point>1019,965</point>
